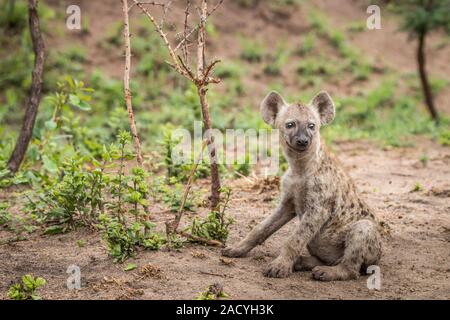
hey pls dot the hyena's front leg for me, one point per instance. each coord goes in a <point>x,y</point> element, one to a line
<point>282,214</point>
<point>309,225</point>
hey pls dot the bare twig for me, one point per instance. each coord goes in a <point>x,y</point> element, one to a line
<point>165,9</point>
<point>163,36</point>
<point>186,37</point>
<point>153,3</point>
<point>172,227</point>
<point>126,82</point>
<point>186,18</point>
<point>128,95</point>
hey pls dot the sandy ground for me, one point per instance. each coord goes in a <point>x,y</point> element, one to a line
<point>416,260</point>
<point>415,263</point>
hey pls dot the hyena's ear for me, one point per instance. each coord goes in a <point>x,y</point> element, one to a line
<point>270,107</point>
<point>324,106</point>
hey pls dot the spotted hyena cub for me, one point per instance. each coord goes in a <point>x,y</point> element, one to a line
<point>336,226</point>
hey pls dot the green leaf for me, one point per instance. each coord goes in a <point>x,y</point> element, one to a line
<point>75,101</point>
<point>28,281</point>
<point>50,124</point>
<point>49,165</point>
<point>129,267</point>
<point>39,282</point>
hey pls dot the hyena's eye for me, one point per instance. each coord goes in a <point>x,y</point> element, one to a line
<point>290,125</point>
<point>311,126</point>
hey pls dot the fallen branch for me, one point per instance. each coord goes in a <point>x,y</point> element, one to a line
<point>215,243</point>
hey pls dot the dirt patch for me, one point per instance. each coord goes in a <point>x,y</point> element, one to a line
<point>415,263</point>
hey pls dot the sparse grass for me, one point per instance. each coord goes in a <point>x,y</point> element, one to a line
<point>308,43</point>
<point>252,50</point>
<point>417,187</point>
<point>383,116</point>
<point>277,61</point>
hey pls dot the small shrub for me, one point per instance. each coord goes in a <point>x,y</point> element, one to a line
<point>213,292</point>
<point>216,224</point>
<point>417,187</point>
<point>26,288</point>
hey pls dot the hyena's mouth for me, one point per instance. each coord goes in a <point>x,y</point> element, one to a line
<point>297,149</point>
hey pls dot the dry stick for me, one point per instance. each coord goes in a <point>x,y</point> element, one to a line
<point>185,39</point>
<point>35,92</point>
<point>186,18</point>
<point>215,243</point>
<point>126,83</point>
<point>173,226</point>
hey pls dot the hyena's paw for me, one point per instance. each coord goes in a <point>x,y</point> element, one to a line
<point>326,273</point>
<point>233,252</point>
<point>278,268</point>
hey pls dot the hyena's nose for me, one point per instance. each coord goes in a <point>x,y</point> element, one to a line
<point>302,142</point>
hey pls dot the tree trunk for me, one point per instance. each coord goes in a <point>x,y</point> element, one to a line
<point>215,178</point>
<point>428,95</point>
<point>35,93</point>
<point>201,43</point>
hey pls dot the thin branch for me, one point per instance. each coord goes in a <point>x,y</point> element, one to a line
<point>126,82</point>
<point>186,37</point>
<point>173,226</point>
<point>186,17</point>
<point>163,36</point>
<point>128,95</point>
<point>154,3</point>
<point>165,9</point>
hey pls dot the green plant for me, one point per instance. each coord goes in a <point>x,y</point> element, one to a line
<point>175,241</point>
<point>5,216</point>
<point>213,292</point>
<point>244,168</point>
<point>216,224</point>
<point>26,288</point>
<point>444,138</point>
<point>121,240</point>
<point>277,61</point>
<point>252,51</point>
<point>417,187</point>
<point>171,194</point>
<point>154,241</point>
<point>424,160</point>
<point>308,44</point>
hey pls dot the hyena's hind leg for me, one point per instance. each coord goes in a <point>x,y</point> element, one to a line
<point>307,263</point>
<point>362,248</point>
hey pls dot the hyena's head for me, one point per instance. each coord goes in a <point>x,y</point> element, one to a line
<point>299,124</point>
